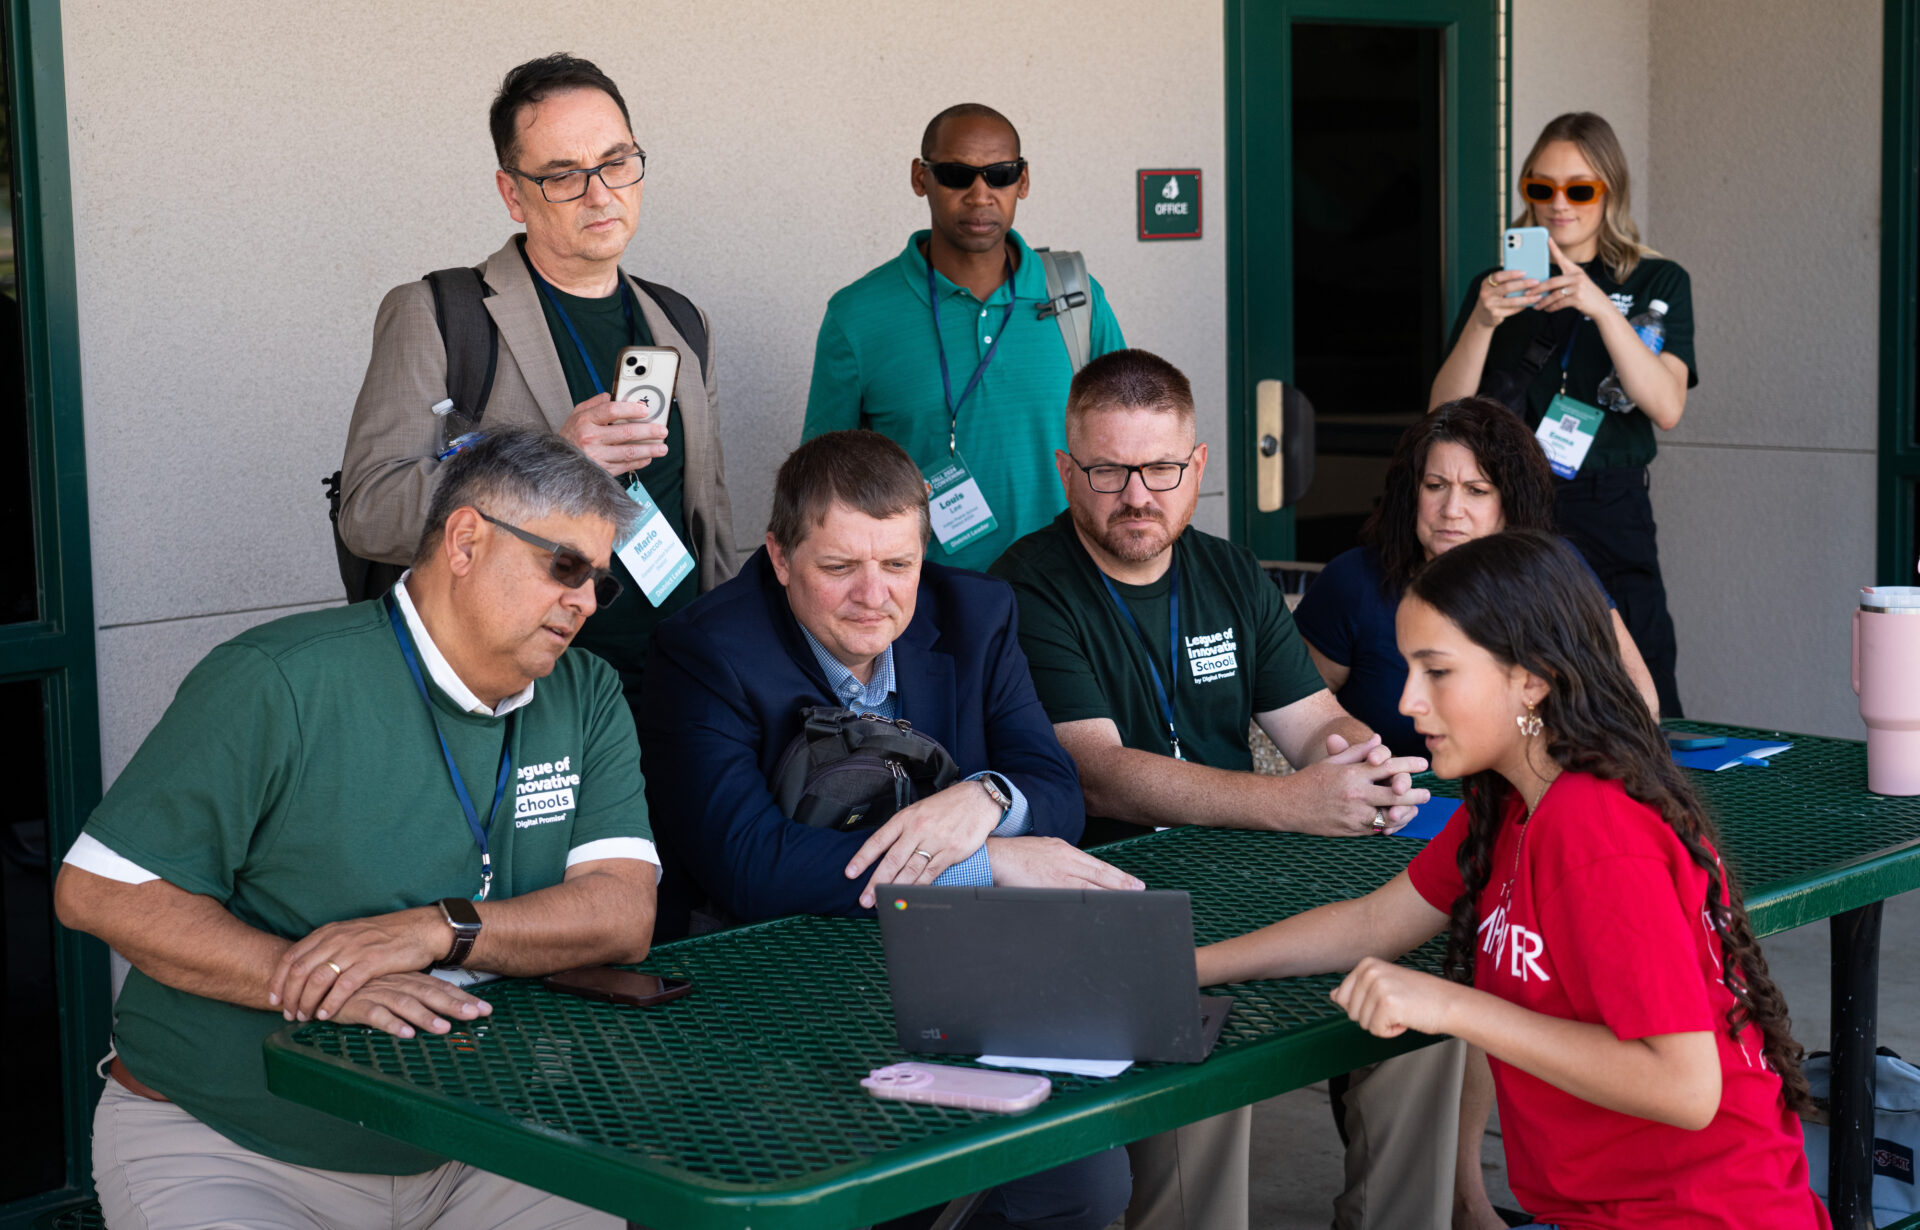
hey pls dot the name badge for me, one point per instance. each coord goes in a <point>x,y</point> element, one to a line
<point>955,506</point>
<point>1566,432</point>
<point>653,553</point>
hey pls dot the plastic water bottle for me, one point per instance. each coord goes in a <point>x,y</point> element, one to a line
<point>1651,325</point>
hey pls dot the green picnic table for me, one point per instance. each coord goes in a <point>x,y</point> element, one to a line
<point>740,1105</point>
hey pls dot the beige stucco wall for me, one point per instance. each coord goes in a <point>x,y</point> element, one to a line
<point>1765,130</point>
<point>1608,39</point>
<point>248,180</point>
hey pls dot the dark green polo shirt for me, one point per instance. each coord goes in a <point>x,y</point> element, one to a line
<point>620,633</point>
<point>1624,440</point>
<point>1239,653</point>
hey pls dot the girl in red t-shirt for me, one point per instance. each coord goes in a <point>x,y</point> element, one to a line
<point>1641,1054</point>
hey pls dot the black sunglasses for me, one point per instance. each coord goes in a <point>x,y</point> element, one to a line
<point>567,566</point>
<point>959,175</point>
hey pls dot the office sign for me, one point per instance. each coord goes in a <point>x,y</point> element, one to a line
<point>1169,204</point>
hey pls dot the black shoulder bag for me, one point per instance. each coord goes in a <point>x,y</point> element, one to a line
<point>847,771</point>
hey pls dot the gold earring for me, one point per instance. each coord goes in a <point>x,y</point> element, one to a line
<point>1529,722</point>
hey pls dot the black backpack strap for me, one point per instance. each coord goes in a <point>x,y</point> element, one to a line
<point>471,339</point>
<point>685,317</point>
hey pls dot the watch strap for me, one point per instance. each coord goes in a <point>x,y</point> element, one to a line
<point>464,932</point>
<point>1001,799</point>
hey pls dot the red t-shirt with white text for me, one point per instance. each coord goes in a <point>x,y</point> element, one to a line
<point>1594,911</point>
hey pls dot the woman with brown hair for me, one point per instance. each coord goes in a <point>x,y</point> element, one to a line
<point>1467,470</point>
<point>1563,338</point>
<point>1597,948</point>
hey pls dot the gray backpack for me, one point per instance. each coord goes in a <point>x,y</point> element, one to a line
<point>1069,302</point>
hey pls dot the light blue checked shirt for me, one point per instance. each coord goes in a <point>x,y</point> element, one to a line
<point>880,699</point>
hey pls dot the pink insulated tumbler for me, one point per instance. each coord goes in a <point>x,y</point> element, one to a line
<point>1886,677</point>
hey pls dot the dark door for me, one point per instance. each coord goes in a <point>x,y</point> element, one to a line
<point>1364,169</point>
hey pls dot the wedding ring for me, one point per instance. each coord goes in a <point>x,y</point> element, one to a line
<point>1566,290</point>
<point>921,854</point>
<point>1379,821</point>
<point>336,969</point>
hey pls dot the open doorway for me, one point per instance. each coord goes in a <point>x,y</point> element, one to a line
<point>1370,316</point>
<point>1364,145</point>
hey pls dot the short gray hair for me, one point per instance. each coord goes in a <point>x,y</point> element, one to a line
<point>519,475</point>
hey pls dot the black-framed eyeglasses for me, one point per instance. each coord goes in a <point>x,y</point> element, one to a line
<point>563,186</point>
<point>1154,476</point>
<point>567,566</point>
<point>960,175</point>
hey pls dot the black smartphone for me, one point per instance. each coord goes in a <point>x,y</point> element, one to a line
<point>1681,741</point>
<point>613,985</point>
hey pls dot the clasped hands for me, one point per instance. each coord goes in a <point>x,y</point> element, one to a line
<point>366,971</point>
<point>1353,783</point>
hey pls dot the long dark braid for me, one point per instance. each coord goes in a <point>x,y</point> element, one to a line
<point>1525,598</point>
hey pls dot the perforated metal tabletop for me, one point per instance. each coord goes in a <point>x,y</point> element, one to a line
<point>739,1106</point>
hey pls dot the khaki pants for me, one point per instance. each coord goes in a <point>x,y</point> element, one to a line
<point>1403,1129</point>
<point>1194,1177</point>
<point>156,1167</point>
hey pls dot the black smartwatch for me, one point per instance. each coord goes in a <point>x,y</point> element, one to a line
<point>465,921</point>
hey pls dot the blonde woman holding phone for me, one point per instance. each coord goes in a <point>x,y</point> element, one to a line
<point>1563,339</point>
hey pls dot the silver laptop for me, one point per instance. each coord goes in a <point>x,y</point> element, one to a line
<point>1046,972</point>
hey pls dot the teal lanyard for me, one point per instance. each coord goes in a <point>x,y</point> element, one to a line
<point>474,826</point>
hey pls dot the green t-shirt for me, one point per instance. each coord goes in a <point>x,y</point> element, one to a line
<point>1239,653</point>
<point>877,365</point>
<point>620,633</point>
<point>296,779</point>
<point>1624,440</point>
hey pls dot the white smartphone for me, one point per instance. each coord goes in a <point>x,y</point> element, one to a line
<point>939,1084</point>
<point>1525,248</point>
<point>645,377</point>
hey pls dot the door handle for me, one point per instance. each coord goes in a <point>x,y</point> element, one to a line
<point>1270,464</point>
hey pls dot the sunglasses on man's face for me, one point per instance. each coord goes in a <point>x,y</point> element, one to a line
<point>960,175</point>
<point>1577,191</point>
<point>567,565</point>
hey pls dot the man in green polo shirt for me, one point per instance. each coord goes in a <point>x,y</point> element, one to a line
<point>289,844</point>
<point>944,351</point>
<point>1152,646</point>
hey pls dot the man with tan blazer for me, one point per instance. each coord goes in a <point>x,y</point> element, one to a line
<point>571,172</point>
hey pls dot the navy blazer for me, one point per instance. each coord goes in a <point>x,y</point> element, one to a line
<point>725,682</point>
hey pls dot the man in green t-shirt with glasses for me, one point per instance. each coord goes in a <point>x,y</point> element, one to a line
<point>1152,646</point>
<point>336,803</point>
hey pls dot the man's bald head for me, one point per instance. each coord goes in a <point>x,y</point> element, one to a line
<point>960,111</point>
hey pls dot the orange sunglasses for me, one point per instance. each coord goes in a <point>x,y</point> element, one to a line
<point>1577,191</point>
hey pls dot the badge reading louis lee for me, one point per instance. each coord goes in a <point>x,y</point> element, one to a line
<point>956,507</point>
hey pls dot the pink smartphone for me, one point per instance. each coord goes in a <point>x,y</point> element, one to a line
<point>966,1088</point>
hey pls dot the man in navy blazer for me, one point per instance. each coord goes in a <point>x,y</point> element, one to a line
<point>839,607</point>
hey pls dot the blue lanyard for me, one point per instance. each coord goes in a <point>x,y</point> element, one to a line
<point>459,786</point>
<point>1567,356</point>
<point>626,305</point>
<point>946,381</point>
<point>1173,648</point>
